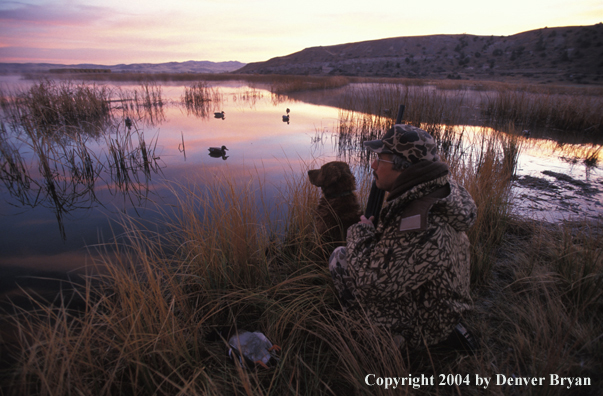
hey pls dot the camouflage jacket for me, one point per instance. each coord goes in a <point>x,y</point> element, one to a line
<point>411,273</point>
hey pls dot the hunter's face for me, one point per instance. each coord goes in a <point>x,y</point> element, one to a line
<point>385,175</point>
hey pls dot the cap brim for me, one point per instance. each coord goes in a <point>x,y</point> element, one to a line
<point>377,146</point>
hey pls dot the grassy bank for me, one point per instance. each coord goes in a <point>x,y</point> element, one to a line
<point>152,324</point>
<point>567,108</point>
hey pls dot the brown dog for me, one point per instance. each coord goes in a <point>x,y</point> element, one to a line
<point>338,207</point>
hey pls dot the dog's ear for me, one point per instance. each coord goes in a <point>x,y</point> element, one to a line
<point>315,177</point>
<point>330,173</point>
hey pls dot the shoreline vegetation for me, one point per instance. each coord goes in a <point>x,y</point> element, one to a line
<point>565,107</point>
<point>153,321</point>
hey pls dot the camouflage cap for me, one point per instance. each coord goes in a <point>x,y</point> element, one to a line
<point>409,142</point>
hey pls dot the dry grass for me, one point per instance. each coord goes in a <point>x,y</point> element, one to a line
<point>68,165</point>
<point>563,107</point>
<point>429,106</point>
<point>201,99</point>
<point>151,323</point>
<point>289,84</point>
<point>486,172</point>
<point>48,106</point>
<point>567,112</point>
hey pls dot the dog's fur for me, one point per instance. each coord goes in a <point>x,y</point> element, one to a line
<point>338,207</point>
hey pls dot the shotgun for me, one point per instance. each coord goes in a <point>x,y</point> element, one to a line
<point>376,196</point>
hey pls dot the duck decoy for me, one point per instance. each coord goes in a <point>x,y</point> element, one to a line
<point>219,115</point>
<point>128,123</point>
<point>288,110</point>
<point>525,133</point>
<point>253,348</point>
<point>217,151</point>
<point>286,118</point>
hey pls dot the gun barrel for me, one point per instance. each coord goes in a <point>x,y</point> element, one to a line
<point>375,201</point>
<point>400,114</point>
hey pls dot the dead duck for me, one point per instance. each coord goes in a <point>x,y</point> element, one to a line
<point>253,348</point>
<point>217,151</point>
<point>219,115</point>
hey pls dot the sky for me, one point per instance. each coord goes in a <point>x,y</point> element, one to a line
<point>112,32</point>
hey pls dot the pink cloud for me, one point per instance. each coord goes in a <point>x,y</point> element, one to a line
<point>52,15</point>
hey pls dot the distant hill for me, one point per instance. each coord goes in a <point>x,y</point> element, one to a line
<point>570,54</point>
<point>170,67</point>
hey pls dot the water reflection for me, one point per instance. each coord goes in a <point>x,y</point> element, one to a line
<point>68,169</point>
<point>47,145</point>
<point>124,165</point>
<point>553,179</point>
<point>201,100</point>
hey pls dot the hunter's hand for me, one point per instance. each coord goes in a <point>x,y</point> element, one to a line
<point>364,220</point>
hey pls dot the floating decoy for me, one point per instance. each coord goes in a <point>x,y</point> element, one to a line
<point>288,110</point>
<point>128,123</point>
<point>219,115</point>
<point>286,119</point>
<point>217,151</point>
<point>253,348</point>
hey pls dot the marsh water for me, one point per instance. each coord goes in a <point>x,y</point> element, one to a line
<point>167,148</point>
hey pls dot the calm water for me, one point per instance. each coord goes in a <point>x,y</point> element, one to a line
<point>258,141</point>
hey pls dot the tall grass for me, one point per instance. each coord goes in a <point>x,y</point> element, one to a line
<point>146,331</point>
<point>486,172</point>
<point>131,162</point>
<point>155,323</point>
<point>67,167</point>
<point>49,105</point>
<point>288,84</point>
<point>148,103</point>
<point>424,104</point>
<point>434,103</point>
<point>567,112</point>
<point>201,99</point>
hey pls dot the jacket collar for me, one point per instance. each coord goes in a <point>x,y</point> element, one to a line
<point>419,173</point>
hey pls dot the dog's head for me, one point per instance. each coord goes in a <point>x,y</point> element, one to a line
<point>333,177</point>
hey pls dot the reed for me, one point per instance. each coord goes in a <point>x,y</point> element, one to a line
<point>13,169</point>
<point>485,167</point>
<point>201,99</point>
<point>197,93</point>
<point>289,84</point>
<point>131,162</point>
<point>148,103</point>
<point>50,105</point>
<point>592,156</point>
<point>566,112</point>
<point>225,263</point>
<point>153,321</point>
<point>425,105</point>
<point>68,169</point>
